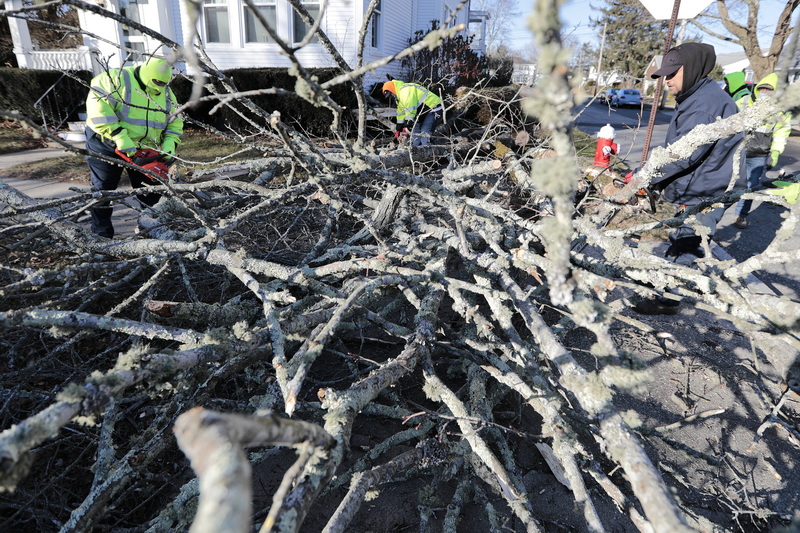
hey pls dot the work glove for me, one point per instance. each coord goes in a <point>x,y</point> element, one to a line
<point>789,190</point>
<point>168,147</point>
<point>773,159</point>
<point>401,134</point>
<point>124,143</point>
<point>629,176</point>
<point>125,154</point>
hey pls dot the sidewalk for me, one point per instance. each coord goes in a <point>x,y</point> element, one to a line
<point>124,218</point>
<point>29,156</point>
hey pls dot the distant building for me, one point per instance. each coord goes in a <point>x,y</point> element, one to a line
<point>524,73</point>
<point>605,78</point>
<point>736,62</point>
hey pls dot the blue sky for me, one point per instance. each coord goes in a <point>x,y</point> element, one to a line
<point>575,15</point>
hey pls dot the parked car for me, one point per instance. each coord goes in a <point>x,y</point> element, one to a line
<point>627,97</point>
<point>606,96</point>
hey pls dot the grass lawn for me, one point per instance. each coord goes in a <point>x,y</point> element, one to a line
<point>15,138</point>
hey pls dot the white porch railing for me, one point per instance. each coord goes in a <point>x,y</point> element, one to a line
<point>72,59</point>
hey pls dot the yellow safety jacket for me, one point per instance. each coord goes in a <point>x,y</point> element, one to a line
<point>120,109</point>
<point>770,138</point>
<point>410,97</point>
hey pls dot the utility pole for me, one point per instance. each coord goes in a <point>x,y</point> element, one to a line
<point>600,59</point>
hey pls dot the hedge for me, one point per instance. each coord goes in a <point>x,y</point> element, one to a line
<point>294,110</point>
<point>21,88</point>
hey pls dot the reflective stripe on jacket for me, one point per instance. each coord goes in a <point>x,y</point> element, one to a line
<point>410,97</point>
<point>773,134</point>
<point>119,108</point>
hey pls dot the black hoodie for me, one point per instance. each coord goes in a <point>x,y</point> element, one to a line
<point>707,172</point>
<point>698,60</point>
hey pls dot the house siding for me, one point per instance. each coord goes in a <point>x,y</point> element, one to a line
<point>342,22</point>
<point>240,54</point>
<point>439,10</point>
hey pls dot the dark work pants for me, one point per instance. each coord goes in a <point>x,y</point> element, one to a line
<point>105,177</point>
<point>424,126</point>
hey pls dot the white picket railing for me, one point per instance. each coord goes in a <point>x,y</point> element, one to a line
<point>72,59</point>
<point>60,101</point>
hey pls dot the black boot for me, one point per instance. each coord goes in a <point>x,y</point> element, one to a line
<point>685,250</point>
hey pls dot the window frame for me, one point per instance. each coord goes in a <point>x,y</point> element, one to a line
<point>133,38</point>
<point>217,5</point>
<point>376,26</point>
<point>259,3</point>
<point>295,19</point>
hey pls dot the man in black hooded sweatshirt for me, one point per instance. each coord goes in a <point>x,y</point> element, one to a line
<point>707,172</point>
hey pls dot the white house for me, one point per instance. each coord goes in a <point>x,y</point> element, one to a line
<point>736,62</point>
<point>232,36</point>
<point>524,73</point>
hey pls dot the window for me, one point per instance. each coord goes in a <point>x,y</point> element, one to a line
<point>375,30</point>
<point>215,13</point>
<point>301,28</point>
<point>133,38</point>
<point>131,11</point>
<point>254,31</point>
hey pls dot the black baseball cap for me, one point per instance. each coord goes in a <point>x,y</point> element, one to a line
<point>671,64</point>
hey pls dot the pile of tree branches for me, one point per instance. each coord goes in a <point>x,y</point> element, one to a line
<point>428,290</point>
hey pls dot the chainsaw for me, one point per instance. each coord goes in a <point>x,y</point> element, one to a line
<point>617,184</point>
<point>148,159</point>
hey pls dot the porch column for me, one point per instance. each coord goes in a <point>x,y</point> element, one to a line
<point>19,34</point>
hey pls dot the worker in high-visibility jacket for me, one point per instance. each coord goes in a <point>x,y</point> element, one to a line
<point>764,145</point>
<point>417,107</point>
<point>736,86</point>
<point>128,109</point>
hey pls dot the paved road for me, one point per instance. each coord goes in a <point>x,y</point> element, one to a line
<point>765,218</point>
<point>629,123</point>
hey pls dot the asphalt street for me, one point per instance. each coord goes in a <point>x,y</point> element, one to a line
<point>765,218</point>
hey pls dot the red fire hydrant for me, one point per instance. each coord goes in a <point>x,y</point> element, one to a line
<point>606,147</point>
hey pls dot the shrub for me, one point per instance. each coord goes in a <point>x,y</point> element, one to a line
<point>21,88</point>
<point>454,64</point>
<point>294,110</point>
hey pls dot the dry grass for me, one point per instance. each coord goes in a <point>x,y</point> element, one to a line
<point>15,138</point>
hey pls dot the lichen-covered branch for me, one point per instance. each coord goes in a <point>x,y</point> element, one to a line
<point>214,443</point>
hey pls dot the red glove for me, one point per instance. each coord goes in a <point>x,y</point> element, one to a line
<point>401,134</point>
<point>628,177</point>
